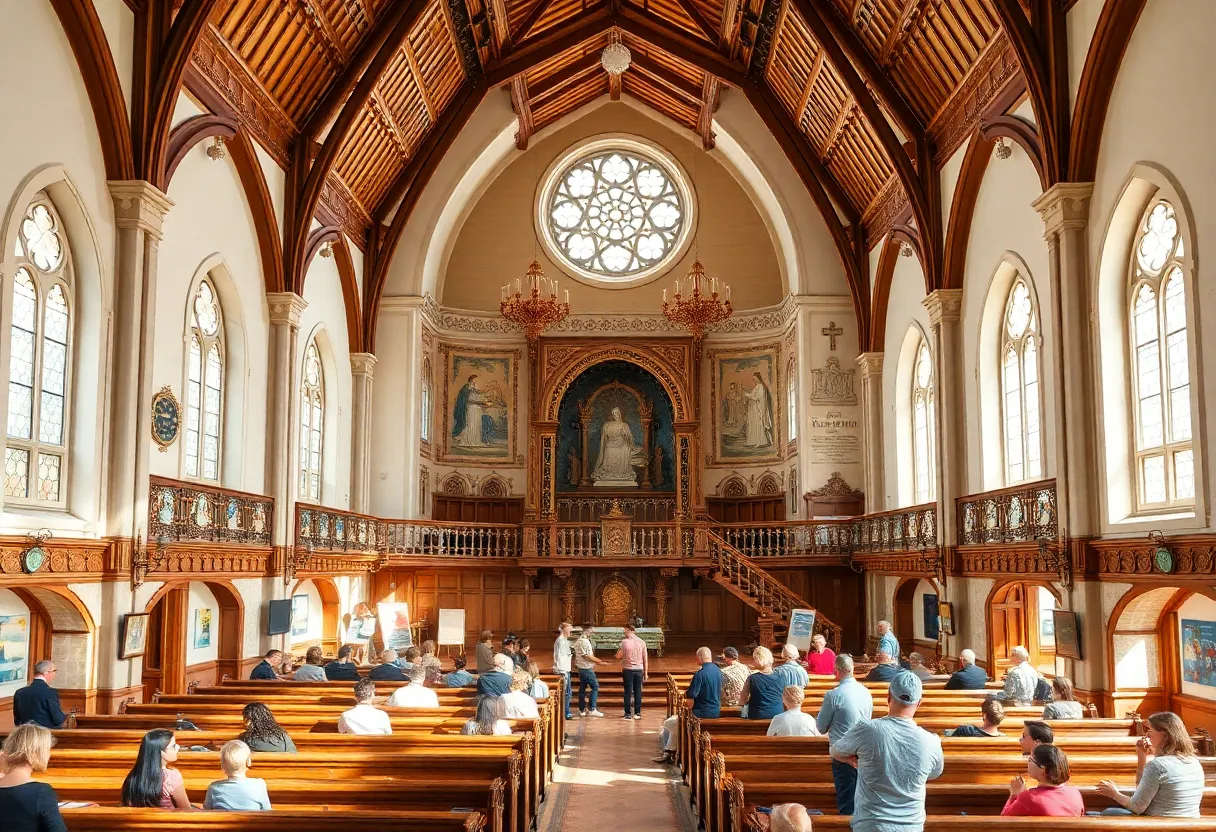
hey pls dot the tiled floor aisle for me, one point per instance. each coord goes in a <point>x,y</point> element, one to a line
<point>606,781</point>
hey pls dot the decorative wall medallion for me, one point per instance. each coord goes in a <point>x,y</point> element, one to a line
<point>32,559</point>
<point>1164,559</point>
<point>166,418</point>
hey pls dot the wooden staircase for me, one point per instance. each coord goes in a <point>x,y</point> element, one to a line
<point>742,577</point>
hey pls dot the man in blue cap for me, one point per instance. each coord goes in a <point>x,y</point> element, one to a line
<point>894,759</point>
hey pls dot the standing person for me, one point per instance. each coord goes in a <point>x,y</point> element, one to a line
<point>635,669</point>
<point>312,669</point>
<point>790,672</point>
<point>236,792</point>
<point>734,674</point>
<point>25,804</point>
<point>844,706</point>
<point>268,668</point>
<point>364,718</point>
<point>563,654</point>
<point>416,694</point>
<point>968,676</point>
<point>887,642</point>
<point>1169,777</point>
<point>151,782</point>
<point>1053,797</point>
<point>485,652</point>
<point>792,722</point>
<point>705,691</point>
<point>821,661</point>
<point>38,702</point>
<point>894,759</point>
<point>263,732</point>
<point>1063,705</point>
<point>460,678</point>
<point>342,669</point>
<point>1020,679</point>
<point>761,694</point>
<point>585,661</point>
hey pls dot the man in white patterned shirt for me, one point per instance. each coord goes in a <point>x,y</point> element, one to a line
<point>1020,679</point>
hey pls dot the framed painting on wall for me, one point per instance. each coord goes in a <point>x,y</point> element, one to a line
<point>744,412</point>
<point>945,617</point>
<point>299,614</point>
<point>202,628</point>
<point>480,398</point>
<point>134,635</point>
<point>1068,634</point>
<point>14,650</point>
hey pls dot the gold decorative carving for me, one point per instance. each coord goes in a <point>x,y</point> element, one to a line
<point>616,603</point>
<point>672,377</point>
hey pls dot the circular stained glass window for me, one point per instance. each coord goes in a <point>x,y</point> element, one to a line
<point>615,211</point>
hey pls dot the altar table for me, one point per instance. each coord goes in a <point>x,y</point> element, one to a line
<point>610,638</point>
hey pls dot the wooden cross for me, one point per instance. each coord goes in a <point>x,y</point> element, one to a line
<point>831,330</point>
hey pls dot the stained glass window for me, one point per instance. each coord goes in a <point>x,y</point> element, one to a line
<point>312,425</point>
<point>1020,400</point>
<point>203,437</point>
<point>39,360</point>
<point>1160,363</point>
<point>923,420</point>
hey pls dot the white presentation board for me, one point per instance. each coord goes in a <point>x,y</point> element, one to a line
<point>802,624</point>
<point>451,627</point>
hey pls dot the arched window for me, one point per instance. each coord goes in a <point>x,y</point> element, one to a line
<point>426,400</point>
<point>312,425</point>
<point>922,425</point>
<point>1020,401</point>
<point>1161,381</point>
<point>204,384</point>
<point>791,401</point>
<point>36,455</point>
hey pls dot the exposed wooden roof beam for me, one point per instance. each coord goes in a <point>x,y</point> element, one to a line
<point>845,117</point>
<point>466,44</point>
<point>681,45</point>
<point>385,114</point>
<point>614,86</point>
<point>707,28</point>
<point>666,77</point>
<point>710,90</point>
<point>805,101</point>
<point>427,102</point>
<point>728,29</point>
<point>564,77</point>
<point>762,38</point>
<point>579,28</point>
<point>523,111</point>
<point>529,22</point>
<point>500,25</point>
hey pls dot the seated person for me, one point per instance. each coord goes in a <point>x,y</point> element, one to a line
<point>263,732</point>
<point>498,681</point>
<point>1063,705</point>
<point>886,669</point>
<point>821,660</point>
<point>364,718</point>
<point>460,678</point>
<point>25,804</point>
<point>1170,779</point>
<point>539,688</point>
<point>734,675</point>
<point>789,817</point>
<point>236,792</point>
<point>1021,678</point>
<point>387,670</point>
<point>792,722</point>
<point>516,703</point>
<point>268,667</point>
<point>416,694</point>
<point>761,696</point>
<point>968,676</point>
<point>916,663</point>
<point>428,658</point>
<point>151,783</point>
<point>510,649</point>
<point>790,671</point>
<point>994,714</point>
<point>408,659</point>
<point>1034,734</point>
<point>312,669</point>
<point>342,669</point>
<point>487,722</point>
<point>1053,797</point>
<point>705,692</point>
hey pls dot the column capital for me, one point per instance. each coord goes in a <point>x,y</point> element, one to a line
<point>139,205</point>
<point>285,307</point>
<point>870,363</point>
<point>362,364</point>
<point>944,305</point>
<point>1064,206</point>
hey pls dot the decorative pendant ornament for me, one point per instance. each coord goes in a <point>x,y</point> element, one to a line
<point>1163,558</point>
<point>166,418</point>
<point>615,58</point>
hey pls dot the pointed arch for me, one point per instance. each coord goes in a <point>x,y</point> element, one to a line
<point>346,278</point>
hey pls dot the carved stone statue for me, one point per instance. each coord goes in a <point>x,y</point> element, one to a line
<point>618,454</point>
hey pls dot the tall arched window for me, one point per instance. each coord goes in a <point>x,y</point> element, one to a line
<point>426,400</point>
<point>204,384</point>
<point>791,400</point>
<point>1020,400</point>
<point>922,425</point>
<point>312,425</point>
<point>36,454</point>
<point>1161,387</point>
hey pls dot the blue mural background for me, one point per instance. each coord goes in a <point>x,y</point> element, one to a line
<point>569,432</point>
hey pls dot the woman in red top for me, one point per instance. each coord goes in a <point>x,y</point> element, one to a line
<point>820,661</point>
<point>1053,797</point>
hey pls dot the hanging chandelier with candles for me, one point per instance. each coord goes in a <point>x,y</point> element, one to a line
<point>534,306</point>
<point>697,304</point>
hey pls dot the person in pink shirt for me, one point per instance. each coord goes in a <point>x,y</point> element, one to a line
<point>634,668</point>
<point>820,661</point>
<point>1053,797</point>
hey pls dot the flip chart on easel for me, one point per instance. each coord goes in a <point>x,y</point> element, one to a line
<point>451,627</point>
<point>395,625</point>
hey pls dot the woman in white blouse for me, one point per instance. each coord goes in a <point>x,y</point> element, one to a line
<point>1169,776</point>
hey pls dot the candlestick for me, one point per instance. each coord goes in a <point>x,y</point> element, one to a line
<point>567,298</point>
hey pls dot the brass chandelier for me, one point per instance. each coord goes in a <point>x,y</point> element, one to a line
<point>537,310</point>
<point>697,304</point>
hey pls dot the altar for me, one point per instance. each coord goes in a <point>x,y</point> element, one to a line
<point>610,638</point>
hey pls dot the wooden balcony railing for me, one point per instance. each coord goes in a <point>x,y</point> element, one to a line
<point>902,530</point>
<point>448,539</point>
<point>191,512</point>
<point>1021,514</point>
<point>322,529</point>
<point>585,540</point>
<point>796,538</point>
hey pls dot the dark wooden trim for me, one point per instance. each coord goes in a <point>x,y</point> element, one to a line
<point>1022,132</point>
<point>192,131</point>
<point>962,210</point>
<point>572,32</point>
<point>529,22</point>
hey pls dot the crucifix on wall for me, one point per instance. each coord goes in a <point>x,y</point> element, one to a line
<point>831,331</point>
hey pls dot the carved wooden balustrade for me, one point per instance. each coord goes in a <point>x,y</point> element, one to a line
<point>321,529</point>
<point>452,539</point>
<point>790,538</point>
<point>1020,514</point>
<point>585,540</point>
<point>901,530</point>
<point>191,512</point>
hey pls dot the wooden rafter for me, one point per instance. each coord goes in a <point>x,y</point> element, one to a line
<point>529,22</point>
<point>614,86</point>
<point>681,46</point>
<point>560,79</point>
<point>705,116</point>
<point>427,101</point>
<point>575,30</point>
<point>846,116</point>
<point>500,25</point>
<point>707,28</point>
<point>727,31</point>
<point>673,82</point>
<point>523,111</point>
<point>811,78</point>
<point>315,12</point>
<point>385,114</point>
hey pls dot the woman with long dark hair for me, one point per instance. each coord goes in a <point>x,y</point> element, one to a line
<point>487,722</point>
<point>263,732</point>
<point>1063,703</point>
<point>151,782</point>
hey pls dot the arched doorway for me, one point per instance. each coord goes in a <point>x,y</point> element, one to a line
<point>327,595</point>
<point>915,617</point>
<point>195,634</point>
<point>60,628</point>
<point>1019,614</point>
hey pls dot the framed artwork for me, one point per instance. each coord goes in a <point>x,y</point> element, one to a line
<point>480,405</point>
<point>1068,634</point>
<point>202,628</point>
<point>14,651</point>
<point>932,616</point>
<point>744,412</point>
<point>134,635</point>
<point>945,617</point>
<point>166,418</point>
<point>1199,652</point>
<point>299,615</point>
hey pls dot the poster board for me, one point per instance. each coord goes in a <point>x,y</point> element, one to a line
<point>802,626</point>
<point>451,627</point>
<point>395,625</point>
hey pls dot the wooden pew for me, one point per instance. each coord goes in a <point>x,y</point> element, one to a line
<point>100,819</point>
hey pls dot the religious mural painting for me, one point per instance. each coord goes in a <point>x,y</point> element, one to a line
<point>744,411</point>
<point>14,650</point>
<point>1199,652</point>
<point>480,390</point>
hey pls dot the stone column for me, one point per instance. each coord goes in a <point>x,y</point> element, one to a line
<point>1065,212</point>
<point>139,213</point>
<point>945,309</point>
<point>873,483</point>
<point>362,365</point>
<point>282,412</point>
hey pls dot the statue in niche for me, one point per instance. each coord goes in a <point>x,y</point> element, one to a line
<point>618,454</point>
<point>573,466</point>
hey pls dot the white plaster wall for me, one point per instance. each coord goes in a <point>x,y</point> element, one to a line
<point>949,178</point>
<point>1082,21</point>
<point>971,597</point>
<point>904,310</point>
<point>1196,608</point>
<point>118,21</point>
<point>255,594</point>
<point>15,639</point>
<point>314,630</point>
<point>201,598</point>
<point>186,108</point>
<point>395,411</point>
<point>326,313</point>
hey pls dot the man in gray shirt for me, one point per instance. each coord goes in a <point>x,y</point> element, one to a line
<point>846,705</point>
<point>894,760</point>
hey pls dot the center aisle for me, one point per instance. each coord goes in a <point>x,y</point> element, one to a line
<point>605,778</point>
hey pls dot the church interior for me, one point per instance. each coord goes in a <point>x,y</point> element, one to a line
<point>387,321</point>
